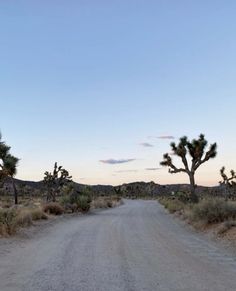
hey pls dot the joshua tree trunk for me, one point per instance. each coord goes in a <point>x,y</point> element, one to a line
<point>193,196</point>
<point>15,191</point>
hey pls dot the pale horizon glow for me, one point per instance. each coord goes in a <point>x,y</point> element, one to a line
<point>103,87</point>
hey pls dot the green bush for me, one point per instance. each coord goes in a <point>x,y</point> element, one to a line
<point>83,202</point>
<point>65,201</point>
<point>214,210</point>
<point>76,202</point>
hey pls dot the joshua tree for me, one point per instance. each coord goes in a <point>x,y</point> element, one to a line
<point>196,150</point>
<point>228,181</point>
<point>8,165</point>
<point>55,181</point>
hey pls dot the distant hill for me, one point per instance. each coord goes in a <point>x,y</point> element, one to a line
<point>153,189</point>
<point>129,189</point>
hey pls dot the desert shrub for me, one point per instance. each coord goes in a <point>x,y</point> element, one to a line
<point>99,203</point>
<point>106,202</point>
<point>102,202</point>
<point>182,196</point>
<point>173,205</point>
<point>2,230</point>
<point>65,201</point>
<point>83,202</point>
<point>12,219</point>
<point>214,210</point>
<point>76,202</point>
<point>23,218</point>
<point>7,221</point>
<point>53,208</point>
<point>109,203</point>
<point>6,203</point>
<point>226,226</point>
<point>72,199</point>
<point>38,214</point>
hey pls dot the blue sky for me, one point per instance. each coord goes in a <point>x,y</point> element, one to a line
<point>83,82</point>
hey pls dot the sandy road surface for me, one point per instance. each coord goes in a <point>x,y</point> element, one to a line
<point>137,246</point>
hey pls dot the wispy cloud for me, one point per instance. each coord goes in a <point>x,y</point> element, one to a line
<point>146,144</point>
<point>126,171</point>
<point>114,161</point>
<point>166,137</point>
<point>152,169</point>
<point>161,137</point>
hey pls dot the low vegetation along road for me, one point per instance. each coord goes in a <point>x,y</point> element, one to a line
<point>137,246</point>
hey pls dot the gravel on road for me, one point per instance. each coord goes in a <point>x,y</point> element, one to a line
<point>137,246</point>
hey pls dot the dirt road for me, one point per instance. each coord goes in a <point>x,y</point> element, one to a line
<point>137,246</point>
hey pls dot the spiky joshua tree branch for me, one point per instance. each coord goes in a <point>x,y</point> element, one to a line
<point>55,181</point>
<point>228,180</point>
<point>196,149</point>
<point>229,183</point>
<point>8,165</point>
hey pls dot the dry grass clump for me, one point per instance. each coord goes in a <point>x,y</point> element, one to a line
<point>214,210</point>
<point>227,226</point>
<point>7,221</point>
<point>206,211</point>
<point>173,205</point>
<point>53,208</point>
<point>12,219</point>
<point>106,202</point>
<point>23,218</point>
<point>99,203</point>
<point>38,214</point>
<point>5,202</point>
